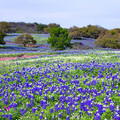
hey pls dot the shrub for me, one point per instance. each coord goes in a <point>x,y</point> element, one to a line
<point>2,35</point>
<point>90,31</point>
<point>5,27</point>
<point>110,40</point>
<point>59,39</point>
<point>25,39</point>
<point>108,43</point>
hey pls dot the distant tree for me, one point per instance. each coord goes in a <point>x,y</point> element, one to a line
<point>84,32</point>
<point>35,23</point>
<point>51,25</point>
<point>111,39</point>
<point>25,39</point>
<point>46,30</point>
<point>5,27</point>
<point>40,27</point>
<point>59,39</point>
<point>74,32</point>
<point>91,31</point>
<point>18,30</point>
<point>2,35</point>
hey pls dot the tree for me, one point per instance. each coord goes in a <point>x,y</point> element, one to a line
<point>90,31</point>
<point>40,27</point>
<point>5,27</point>
<point>59,39</point>
<point>111,39</point>
<point>74,32</point>
<point>2,35</point>
<point>51,25</point>
<point>25,39</point>
<point>18,30</point>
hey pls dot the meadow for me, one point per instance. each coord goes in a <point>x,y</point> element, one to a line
<point>67,85</point>
<point>13,49</point>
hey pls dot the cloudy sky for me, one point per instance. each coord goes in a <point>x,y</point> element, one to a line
<point>67,13</point>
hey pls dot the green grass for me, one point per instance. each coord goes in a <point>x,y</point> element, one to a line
<point>40,40</point>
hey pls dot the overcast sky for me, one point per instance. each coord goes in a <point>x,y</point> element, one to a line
<point>67,13</point>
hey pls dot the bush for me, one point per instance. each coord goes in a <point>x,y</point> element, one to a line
<point>108,43</point>
<point>2,35</point>
<point>90,31</point>
<point>110,40</point>
<point>48,27</point>
<point>59,39</point>
<point>25,39</point>
<point>5,27</point>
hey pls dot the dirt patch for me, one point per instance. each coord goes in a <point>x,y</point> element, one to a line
<point>14,58</point>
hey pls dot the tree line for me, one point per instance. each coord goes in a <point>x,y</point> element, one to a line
<point>90,31</point>
<point>58,35</point>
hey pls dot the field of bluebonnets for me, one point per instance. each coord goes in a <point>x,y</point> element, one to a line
<point>74,85</point>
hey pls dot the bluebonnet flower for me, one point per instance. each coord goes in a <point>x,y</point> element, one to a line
<point>6,115</point>
<point>53,117</point>
<point>67,118</point>
<point>11,97</point>
<point>15,106</point>
<point>19,102</point>
<point>10,116</point>
<point>51,110</point>
<point>40,117</point>
<point>59,115</point>
<point>117,116</point>
<point>100,109</point>
<point>22,111</point>
<point>68,110</point>
<point>57,107</point>
<point>33,110</point>
<point>97,116</point>
<point>112,107</point>
<point>6,102</point>
<point>27,105</point>
<point>62,106</point>
<point>117,109</point>
<point>45,97</point>
<point>52,98</point>
<point>32,103</point>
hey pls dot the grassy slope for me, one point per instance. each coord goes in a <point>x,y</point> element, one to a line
<point>98,56</point>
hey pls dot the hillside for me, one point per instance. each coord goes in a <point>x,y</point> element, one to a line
<point>23,27</point>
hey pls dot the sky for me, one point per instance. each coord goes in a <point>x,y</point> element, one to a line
<point>67,13</point>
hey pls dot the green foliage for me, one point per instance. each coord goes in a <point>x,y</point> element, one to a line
<point>111,39</point>
<point>25,39</point>
<point>40,27</point>
<point>74,32</point>
<point>90,31</point>
<point>2,35</point>
<point>51,25</point>
<point>5,27</point>
<point>59,38</point>
<point>106,115</point>
<point>18,30</point>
